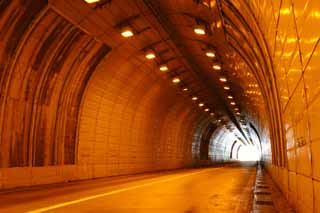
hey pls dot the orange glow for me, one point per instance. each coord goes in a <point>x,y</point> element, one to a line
<point>201,104</point>
<point>226,87</point>
<point>206,109</point>
<point>230,97</point>
<point>315,14</point>
<point>285,11</point>
<point>218,24</point>
<point>194,98</point>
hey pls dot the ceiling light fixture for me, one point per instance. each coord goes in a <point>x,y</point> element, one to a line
<point>150,54</point>
<point>127,31</point>
<point>210,53</point>
<point>230,97</point>
<point>206,109</point>
<point>185,89</point>
<point>216,66</point>
<point>199,29</point>
<point>218,24</point>
<point>163,67</point>
<point>194,98</point>
<point>226,87</point>
<point>201,104</point>
<point>91,1</point>
<point>233,103</point>
<point>176,80</point>
<point>211,114</point>
<point>223,79</point>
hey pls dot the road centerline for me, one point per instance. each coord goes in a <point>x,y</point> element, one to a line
<point>68,203</point>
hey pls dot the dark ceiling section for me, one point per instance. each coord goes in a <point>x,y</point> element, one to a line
<point>179,19</point>
<point>168,19</point>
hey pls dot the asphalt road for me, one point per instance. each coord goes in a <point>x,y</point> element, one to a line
<point>222,189</point>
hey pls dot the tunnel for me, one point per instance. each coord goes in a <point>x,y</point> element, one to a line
<point>159,106</point>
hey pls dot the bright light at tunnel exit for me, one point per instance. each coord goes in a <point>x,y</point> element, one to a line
<point>248,153</point>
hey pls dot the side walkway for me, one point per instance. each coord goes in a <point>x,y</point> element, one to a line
<point>267,197</point>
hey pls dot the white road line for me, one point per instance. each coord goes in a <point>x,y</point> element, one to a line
<point>111,193</point>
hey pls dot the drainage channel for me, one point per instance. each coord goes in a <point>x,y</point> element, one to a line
<point>267,197</point>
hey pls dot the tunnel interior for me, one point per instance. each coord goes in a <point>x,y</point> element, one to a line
<point>93,89</point>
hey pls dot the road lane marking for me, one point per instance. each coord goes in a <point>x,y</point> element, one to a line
<point>111,193</point>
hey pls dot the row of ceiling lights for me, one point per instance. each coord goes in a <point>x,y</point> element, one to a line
<point>200,29</point>
<point>209,52</point>
<point>253,92</point>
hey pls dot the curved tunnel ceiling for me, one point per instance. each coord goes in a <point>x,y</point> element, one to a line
<point>118,87</point>
<point>183,51</point>
<point>181,18</point>
<point>41,54</point>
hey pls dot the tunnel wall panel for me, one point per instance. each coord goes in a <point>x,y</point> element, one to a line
<point>74,108</point>
<point>46,63</point>
<point>133,123</point>
<point>295,46</point>
<point>220,145</point>
<point>284,58</point>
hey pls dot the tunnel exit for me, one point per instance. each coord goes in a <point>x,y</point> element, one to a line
<point>223,143</point>
<point>248,153</point>
<point>96,90</point>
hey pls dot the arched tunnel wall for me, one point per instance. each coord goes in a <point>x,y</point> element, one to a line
<point>42,81</point>
<point>132,122</point>
<point>217,149</point>
<point>287,33</point>
<point>73,107</point>
<point>78,102</point>
<point>223,145</point>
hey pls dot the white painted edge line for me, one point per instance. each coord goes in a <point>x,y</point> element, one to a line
<point>111,193</point>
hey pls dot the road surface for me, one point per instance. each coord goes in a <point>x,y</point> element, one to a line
<point>222,189</point>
